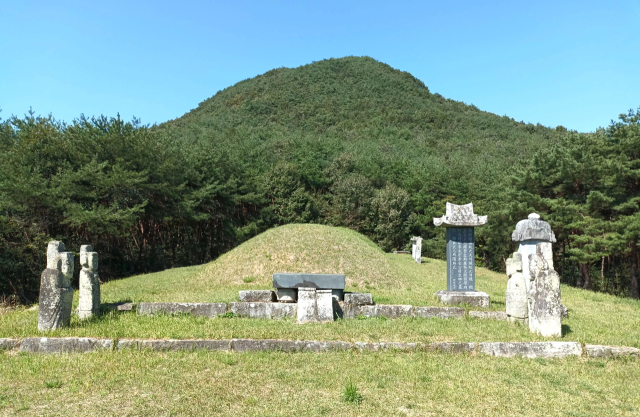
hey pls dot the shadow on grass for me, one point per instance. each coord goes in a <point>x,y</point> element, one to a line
<point>566,329</point>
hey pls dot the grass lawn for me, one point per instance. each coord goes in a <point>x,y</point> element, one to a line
<point>129,383</point>
<point>593,317</point>
<point>276,383</point>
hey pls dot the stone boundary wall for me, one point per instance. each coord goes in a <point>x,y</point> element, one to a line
<point>260,310</point>
<point>48,345</point>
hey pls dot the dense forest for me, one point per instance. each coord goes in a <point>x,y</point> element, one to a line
<point>348,142</point>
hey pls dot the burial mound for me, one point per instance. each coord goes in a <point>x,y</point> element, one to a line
<point>307,248</point>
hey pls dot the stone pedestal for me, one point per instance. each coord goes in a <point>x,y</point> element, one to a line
<point>287,295</point>
<point>324,305</point>
<point>473,298</point>
<point>306,305</point>
<point>89,291</point>
<point>56,293</point>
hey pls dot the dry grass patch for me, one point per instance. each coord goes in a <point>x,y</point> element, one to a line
<point>309,248</point>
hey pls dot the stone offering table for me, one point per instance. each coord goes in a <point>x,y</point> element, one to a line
<point>460,222</point>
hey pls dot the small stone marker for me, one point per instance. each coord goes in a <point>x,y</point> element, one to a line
<point>529,233</point>
<point>545,308</point>
<point>461,279</point>
<point>517,305</point>
<point>416,248</point>
<point>89,283</point>
<point>324,305</point>
<point>56,293</point>
<point>306,305</point>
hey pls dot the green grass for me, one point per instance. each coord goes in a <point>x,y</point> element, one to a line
<point>392,279</point>
<point>127,383</point>
<point>594,317</point>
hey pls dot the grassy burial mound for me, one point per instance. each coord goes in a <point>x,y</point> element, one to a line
<point>309,248</point>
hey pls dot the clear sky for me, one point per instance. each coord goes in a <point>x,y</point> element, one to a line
<point>570,63</point>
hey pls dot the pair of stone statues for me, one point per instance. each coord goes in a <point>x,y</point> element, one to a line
<point>56,292</point>
<point>533,289</point>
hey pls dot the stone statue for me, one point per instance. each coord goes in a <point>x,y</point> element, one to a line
<point>529,233</point>
<point>545,308</point>
<point>89,298</point>
<point>56,293</point>
<point>517,307</point>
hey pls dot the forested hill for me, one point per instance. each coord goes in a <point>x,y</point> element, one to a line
<point>389,123</point>
<point>345,142</point>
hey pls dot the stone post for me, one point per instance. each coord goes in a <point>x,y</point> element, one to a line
<point>56,293</point>
<point>529,233</point>
<point>306,305</point>
<point>89,297</point>
<point>545,309</point>
<point>517,307</point>
<point>416,248</point>
<point>460,222</point>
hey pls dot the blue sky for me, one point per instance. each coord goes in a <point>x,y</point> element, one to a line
<point>570,63</point>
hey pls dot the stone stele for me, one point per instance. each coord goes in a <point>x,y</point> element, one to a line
<point>545,308</point>
<point>89,297</point>
<point>529,233</point>
<point>56,293</point>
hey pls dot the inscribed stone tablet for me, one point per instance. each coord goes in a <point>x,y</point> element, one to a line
<point>461,274</point>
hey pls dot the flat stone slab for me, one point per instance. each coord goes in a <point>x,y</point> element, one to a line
<point>210,310</point>
<point>8,344</point>
<point>492,315</point>
<point>601,351</point>
<point>473,298</point>
<point>531,349</point>
<point>438,312</point>
<point>264,310</point>
<point>452,347</point>
<point>64,344</point>
<point>257,296</point>
<point>317,281</point>
<point>400,346</point>
<point>174,345</point>
<point>358,298</point>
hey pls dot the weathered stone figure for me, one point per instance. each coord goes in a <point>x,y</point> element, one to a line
<point>56,293</point>
<point>529,233</point>
<point>89,299</point>
<point>517,307</point>
<point>416,248</point>
<point>545,309</point>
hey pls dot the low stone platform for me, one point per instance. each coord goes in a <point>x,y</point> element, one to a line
<point>472,298</point>
<point>532,350</point>
<point>492,315</point>
<point>264,310</point>
<point>196,309</point>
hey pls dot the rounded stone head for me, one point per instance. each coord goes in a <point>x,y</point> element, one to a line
<point>533,229</point>
<point>53,254</point>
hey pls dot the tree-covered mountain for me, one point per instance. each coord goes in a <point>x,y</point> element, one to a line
<point>349,126</point>
<point>347,142</point>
